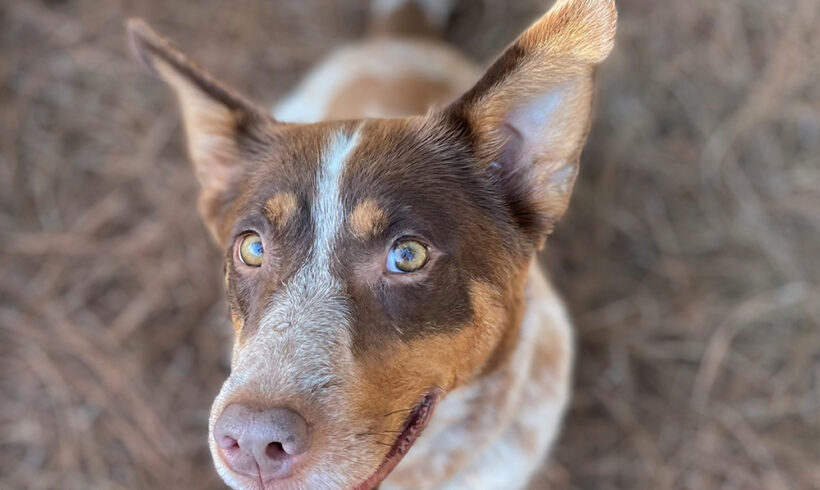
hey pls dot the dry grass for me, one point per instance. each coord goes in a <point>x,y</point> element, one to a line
<point>690,258</point>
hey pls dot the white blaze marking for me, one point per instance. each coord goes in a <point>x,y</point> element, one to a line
<point>311,299</point>
<point>328,212</point>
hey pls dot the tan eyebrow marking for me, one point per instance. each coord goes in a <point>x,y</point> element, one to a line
<point>367,219</point>
<point>280,208</point>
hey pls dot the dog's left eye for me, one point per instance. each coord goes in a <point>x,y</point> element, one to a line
<point>406,256</point>
<point>251,250</point>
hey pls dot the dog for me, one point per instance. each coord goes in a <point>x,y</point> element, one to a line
<point>391,324</point>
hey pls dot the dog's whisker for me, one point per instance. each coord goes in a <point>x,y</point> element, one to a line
<point>376,440</point>
<point>398,411</point>
<point>376,434</point>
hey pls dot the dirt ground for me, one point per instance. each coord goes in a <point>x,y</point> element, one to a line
<point>690,258</point>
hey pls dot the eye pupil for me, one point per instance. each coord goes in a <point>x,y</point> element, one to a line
<point>406,254</point>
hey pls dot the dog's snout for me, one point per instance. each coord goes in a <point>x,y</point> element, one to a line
<point>261,443</point>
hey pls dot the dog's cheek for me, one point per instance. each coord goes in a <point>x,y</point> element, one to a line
<point>394,379</point>
<point>237,317</point>
<point>241,295</point>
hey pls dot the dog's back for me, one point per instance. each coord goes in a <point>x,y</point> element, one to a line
<point>401,68</point>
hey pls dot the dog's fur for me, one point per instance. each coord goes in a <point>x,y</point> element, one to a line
<point>346,168</point>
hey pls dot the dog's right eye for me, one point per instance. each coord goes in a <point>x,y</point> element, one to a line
<point>251,250</point>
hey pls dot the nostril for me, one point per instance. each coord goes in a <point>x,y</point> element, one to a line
<point>228,442</point>
<point>276,451</point>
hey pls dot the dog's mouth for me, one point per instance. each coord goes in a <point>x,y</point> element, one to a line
<point>415,424</point>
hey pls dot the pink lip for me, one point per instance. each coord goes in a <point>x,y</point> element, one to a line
<point>415,424</point>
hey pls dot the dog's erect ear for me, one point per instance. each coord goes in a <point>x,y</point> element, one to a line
<point>216,119</point>
<point>531,111</point>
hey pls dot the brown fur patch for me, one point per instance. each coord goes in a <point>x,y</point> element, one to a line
<point>482,351</point>
<point>397,96</point>
<point>514,304</point>
<point>280,208</point>
<point>401,374</point>
<point>367,219</point>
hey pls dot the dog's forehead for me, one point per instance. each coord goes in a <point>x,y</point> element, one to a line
<point>360,176</point>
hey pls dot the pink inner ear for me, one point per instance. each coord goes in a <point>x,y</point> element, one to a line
<point>542,139</point>
<point>543,131</point>
<point>532,119</point>
<point>540,124</point>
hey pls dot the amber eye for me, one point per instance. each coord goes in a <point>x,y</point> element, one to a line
<point>406,256</point>
<point>251,250</point>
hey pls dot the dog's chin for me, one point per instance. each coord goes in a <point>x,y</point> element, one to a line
<point>413,427</point>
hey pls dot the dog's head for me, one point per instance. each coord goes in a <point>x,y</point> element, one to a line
<point>372,266</point>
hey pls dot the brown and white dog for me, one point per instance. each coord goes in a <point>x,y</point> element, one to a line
<point>379,238</point>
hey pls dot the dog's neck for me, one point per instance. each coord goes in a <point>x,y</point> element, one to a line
<point>495,431</point>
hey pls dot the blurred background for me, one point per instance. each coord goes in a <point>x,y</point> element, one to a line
<point>690,258</point>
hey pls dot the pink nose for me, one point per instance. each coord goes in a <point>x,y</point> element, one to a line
<point>261,443</point>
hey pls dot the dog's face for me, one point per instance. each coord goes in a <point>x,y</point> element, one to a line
<point>385,272</point>
<point>372,266</point>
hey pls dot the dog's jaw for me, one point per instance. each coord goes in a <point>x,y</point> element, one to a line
<point>416,423</point>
